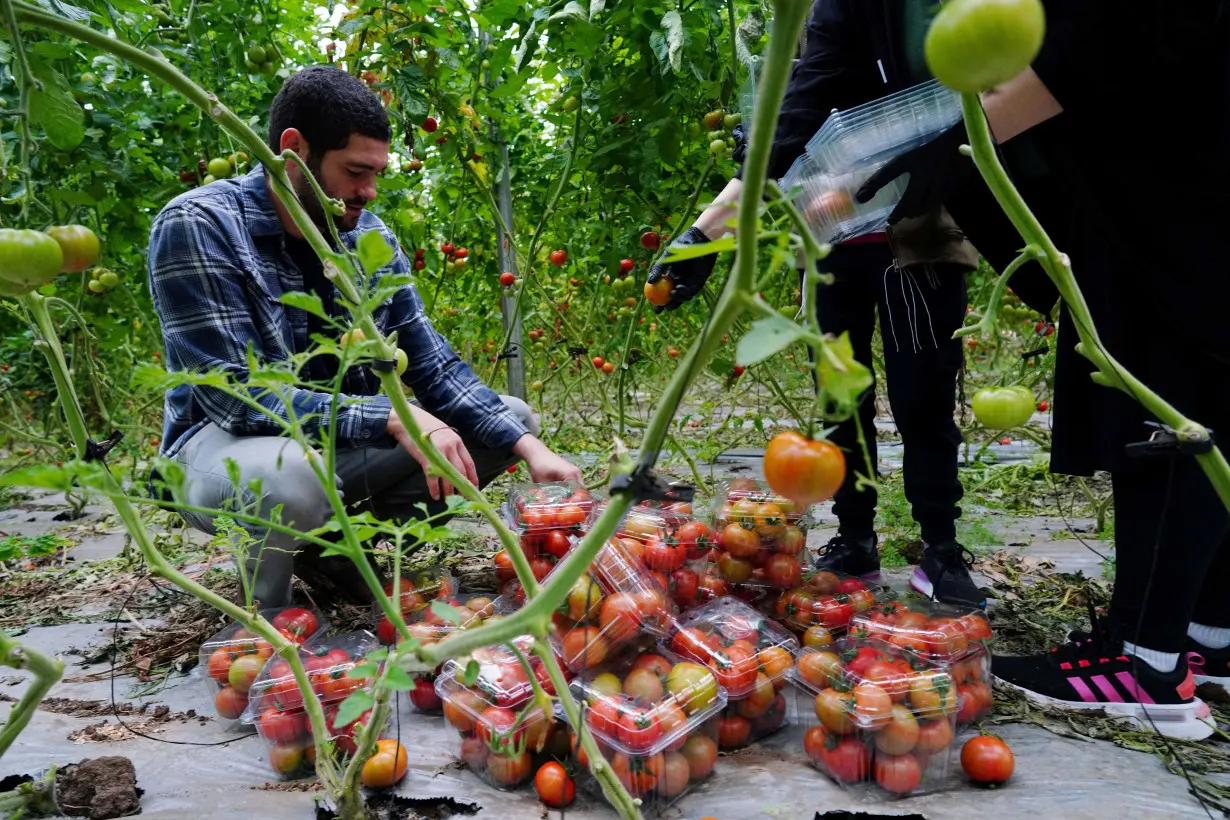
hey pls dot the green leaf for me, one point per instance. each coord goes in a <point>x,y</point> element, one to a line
<point>352,708</point>
<point>354,26</point>
<point>374,251</point>
<point>571,10</point>
<point>365,670</point>
<point>766,337</point>
<point>51,51</point>
<point>399,680</point>
<point>672,24</point>
<point>54,110</point>
<point>596,7</point>
<point>67,10</point>
<point>678,253</point>
<point>526,48</point>
<point>846,383</point>
<point>747,37</point>
<point>470,676</point>
<point>304,301</point>
<point>446,612</point>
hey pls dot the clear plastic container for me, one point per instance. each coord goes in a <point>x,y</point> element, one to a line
<point>619,603</point>
<point>823,602</point>
<point>500,726</point>
<point>275,703</point>
<point>540,508</point>
<point>956,638</point>
<point>744,648</point>
<point>828,200</point>
<point>877,718</point>
<point>882,129</point>
<point>655,718</point>
<point>417,589</point>
<point>237,649</point>
<point>760,538</point>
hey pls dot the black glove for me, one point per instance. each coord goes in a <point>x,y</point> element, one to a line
<point>937,169</point>
<point>689,275</point>
<point>740,136</point>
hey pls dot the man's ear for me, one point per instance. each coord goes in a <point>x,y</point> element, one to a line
<point>293,139</point>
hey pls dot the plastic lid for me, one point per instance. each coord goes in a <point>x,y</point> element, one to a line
<point>645,703</point>
<point>472,609</point>
<point>870,677</point>
<point>823,598</point>
<point>417,589</point>
<point>739,644</point>
<point>502,725</point>
<point>298,624</point>
<point>928,628</point>
<point>749,492</point>
<point>326,662</point>
<point>556,505</point>
<point>500,678</point>
<point>670,538</point>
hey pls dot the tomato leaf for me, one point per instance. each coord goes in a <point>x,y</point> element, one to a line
<point>399,680</point>
<point>766,337</point>
<point>668,42</point>
<point>470,675</point>
<point>54,109</point>
<point>67,10</point>
<point>352,708</point>
<point>374,251</point>
<point>844,388</point>
<point>446,612</point>
<point>365,670</point>
<point>304,301</point>
<point>678,253</point>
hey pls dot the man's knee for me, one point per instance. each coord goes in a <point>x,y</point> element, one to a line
<point>524,413</point>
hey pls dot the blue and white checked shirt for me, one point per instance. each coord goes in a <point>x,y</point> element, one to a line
<point>218,266</point>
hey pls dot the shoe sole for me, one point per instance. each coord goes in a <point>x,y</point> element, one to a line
<point>1180,721</point>
<point>920,583</point>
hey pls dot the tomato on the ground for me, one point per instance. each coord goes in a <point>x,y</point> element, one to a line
<point>554,786</point>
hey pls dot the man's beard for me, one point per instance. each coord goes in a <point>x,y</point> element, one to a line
<point>316,208</point>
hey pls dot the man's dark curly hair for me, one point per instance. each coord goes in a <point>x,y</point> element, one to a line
<point>326,105</point>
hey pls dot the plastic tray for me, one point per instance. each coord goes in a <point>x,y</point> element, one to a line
<point>417,589</point>
<point>826,600</point>
<point>760,538</point>
<point>498,738</point>
<point>287,735</point>
<point>540,508</point>
<point>218,655</point>
<point>327,662</point>
<point>885,128</point>
<point>748,720</point>
<point>654,715</point>
<point>956,638</point>
<point>880,718</point>
<point>742,647</point>
<point>828,200</point>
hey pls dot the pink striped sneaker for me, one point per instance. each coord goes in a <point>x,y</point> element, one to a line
<point>1209,665</point>
<point>1089,674</point>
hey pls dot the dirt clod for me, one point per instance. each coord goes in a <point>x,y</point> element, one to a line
<point>99,788</point>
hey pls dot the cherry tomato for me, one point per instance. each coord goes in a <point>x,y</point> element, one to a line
<point>620,618</point>
<point>281,727</point>
<point>301,623</point>
<point>509,769</point>
<point>733,731</point>
<point>508,279</point>
<point>229,703</point>
<point>899,774</point>
<point>783,571</point>
<point>651,241</point>
<point>554,786</point>
<point>987,759</point>
<point>557,543</point>
<point>805,471</point>
<point>701,752</point>
<point>659,292</point>
<point>558,258</point>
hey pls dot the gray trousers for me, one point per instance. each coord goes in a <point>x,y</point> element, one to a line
<point>384,481</point>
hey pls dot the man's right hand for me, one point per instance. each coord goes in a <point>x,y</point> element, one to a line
<point>445,440</point>
<point>690,275</point>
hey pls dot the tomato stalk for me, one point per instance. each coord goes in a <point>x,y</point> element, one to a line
<point>46,671</point>
<point>1110,373</point>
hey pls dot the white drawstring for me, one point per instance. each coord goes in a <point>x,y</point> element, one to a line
<point>887,304</point>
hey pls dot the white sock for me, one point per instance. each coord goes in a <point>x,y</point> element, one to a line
<point>1214,637</point>
<point>1161,661</point>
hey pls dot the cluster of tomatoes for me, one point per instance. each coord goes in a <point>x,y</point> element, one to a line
<point>673,546</point>
<point>413,595</point>
<point>751,657</point>
<point>954,639</point>
<point>433,624</point>
<point>235,657</point>
<point>760,539</point>
<point>882,714</point>
<point>652,716</point>
<point>824,603</point>
<point>500,725</point>
<point>549,519</point>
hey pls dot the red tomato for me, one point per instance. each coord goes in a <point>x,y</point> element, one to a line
<point>783,571</point>
<point>540,567</point>
<point>554,786</point>
<point>735,570</point>
<point>684,587</point>
<point>620,618</point>
<point>504,571</point>
<point>603,716</point>
<point>664,556</point>
<point>639,729</point>
<point>281,727</point>
<point>733,731</point>
<point>739,541</point>
<point>558,258</point>
<point>735,668</point>
<point>424,696</point>
<point>301,623</point>
<point>229,703</point>
<point>557,543</point>
<point>899,774</point>
<point>987,759</point>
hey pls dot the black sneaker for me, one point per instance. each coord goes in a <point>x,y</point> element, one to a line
<point>1208,665</point>
<point>944,576</point>
<point>1092,674</point>
<point>851,556</point>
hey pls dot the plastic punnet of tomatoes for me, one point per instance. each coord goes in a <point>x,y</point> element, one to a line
<point>561,505</point>
<point>744,648</point>
<point>876,717</point>
<point>654,715</point>
<point>673,545</point>
<point>417,589</point>
<point>500,726</point>
<point>275,702</point>
<point>611,608</point>
<point>957,638</point>
<point>231,660</point>
<point>759,537</point>
<point>828,600</point>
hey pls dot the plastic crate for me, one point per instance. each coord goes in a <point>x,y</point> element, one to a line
<point>881,720</point>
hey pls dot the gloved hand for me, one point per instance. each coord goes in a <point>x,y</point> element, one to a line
<point>689,275</point>
<point>937,170</point>
<point>740,136</point>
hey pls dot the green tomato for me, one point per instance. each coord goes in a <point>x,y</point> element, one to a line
<point>268,68</point>
<point>717,135</point>
<point>257,54</point>
<point>731,120</point>
<point>251,67</point>
<point>572,103</point>
<point>219,168</point>
<point>974,45</point>
<point>108,279</point>
<point>536,387</point>
<point>717,147</point>
<point>208,179</point>
<point>1003,408</point>
<point>28,258</point>
<point>402,360</point>
<point>95,286</point>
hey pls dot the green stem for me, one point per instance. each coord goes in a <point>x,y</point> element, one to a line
<point>1059,267</point>
<point>47,672</point>
<point>987,323</point>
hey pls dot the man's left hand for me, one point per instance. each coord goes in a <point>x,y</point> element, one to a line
<point>545,465</point>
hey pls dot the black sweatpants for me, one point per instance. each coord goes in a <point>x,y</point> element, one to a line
<point>919,308</point>
<point>1172,540</point>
